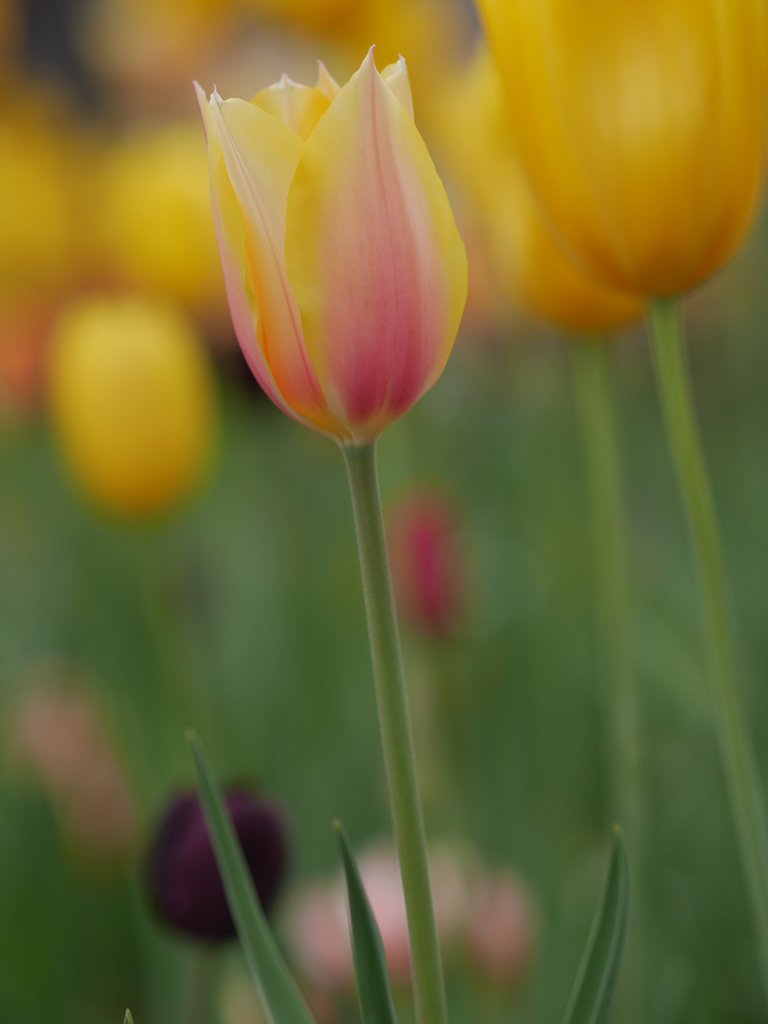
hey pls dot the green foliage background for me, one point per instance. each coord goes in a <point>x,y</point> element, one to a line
<point>243,617</point>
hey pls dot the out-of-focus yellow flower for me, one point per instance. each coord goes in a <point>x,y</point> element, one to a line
<point>132,402</point>
<point>475,141</point>
<point>311,14</point>
<point>642,127</point>
<point>152,215</point>
<point>39,189</point>
<point>345,273</point>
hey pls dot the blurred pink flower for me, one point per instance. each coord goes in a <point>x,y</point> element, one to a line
<point>429,572</point>
<point>500,931</point>
<point>56,736</point>
<point>318,926</point>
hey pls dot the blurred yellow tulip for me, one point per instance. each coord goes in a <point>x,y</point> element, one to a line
<point>152,216</point>
<point>132,402</point>
<point>473,136</point>
<point>39,187</point>
<point>641,125</point>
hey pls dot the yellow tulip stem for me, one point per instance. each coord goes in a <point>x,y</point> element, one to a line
<point>602,465</point>
<point>744,790</point>
<point>396,735</point>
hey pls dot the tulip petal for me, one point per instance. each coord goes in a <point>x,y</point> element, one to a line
<point>396,77</point>
<point>325,83</point>
<point>299,107</point>
<point>374,257</point>
<point>252,157</point>
<point>231,238</point>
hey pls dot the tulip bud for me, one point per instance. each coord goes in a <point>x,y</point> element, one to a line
<point>132,402</point>
<point>429,574</point>
<point>531,270</point>
<point>182,876</point>
<point>345,273</point>
<point>641,127</point>
<point>500,931</point>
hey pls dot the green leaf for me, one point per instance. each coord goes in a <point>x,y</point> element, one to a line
<point>376,1006</point>
<point>261,952</point>
<point>128,1018</point>
<point>592,994</point>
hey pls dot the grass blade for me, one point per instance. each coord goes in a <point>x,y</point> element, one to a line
<point>593,991</point>
<point>264,959</point>
<point>376,1006</point>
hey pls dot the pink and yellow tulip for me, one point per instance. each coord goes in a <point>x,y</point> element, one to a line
<point>345,272</point>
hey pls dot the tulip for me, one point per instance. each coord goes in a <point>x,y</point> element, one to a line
<point>345,273</point>
<point>428,569</point>
<point>183,880</point>
<point>318,923</point>
<point>531,269</point>
<point>39,176</point>
<point>346,279</point>
<point>153,222</point>
<point>131,397</point>
<point>641,125</point>
<point>501,928</point>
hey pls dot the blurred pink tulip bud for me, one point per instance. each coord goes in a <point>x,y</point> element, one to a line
<point>318,926</point>
<point>429,573</point>
<point>500,931</point>
<point>56,736</point>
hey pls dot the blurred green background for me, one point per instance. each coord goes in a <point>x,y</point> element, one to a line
<point>241,613</point>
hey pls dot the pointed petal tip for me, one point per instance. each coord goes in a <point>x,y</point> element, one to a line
<point>326,84</point>
<point>202,102</point>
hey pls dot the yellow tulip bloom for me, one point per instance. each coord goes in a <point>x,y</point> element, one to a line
<point>533,272</point>
<point>345,273</point>
<point>132,402</point>
<point>152,217</point>
<point>641,125</point>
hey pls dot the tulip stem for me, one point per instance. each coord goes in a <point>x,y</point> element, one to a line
<point>396,736</point>
<point>606,513</point>
<point>673,379</point>
<point>602,464</point>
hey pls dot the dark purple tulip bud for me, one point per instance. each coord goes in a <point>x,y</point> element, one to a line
<point>183,878</point>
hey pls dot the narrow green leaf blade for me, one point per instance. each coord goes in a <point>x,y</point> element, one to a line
<point>374,993</point>
<point>128,1017</point>
<point>593,991</point>
<point>261,952</point>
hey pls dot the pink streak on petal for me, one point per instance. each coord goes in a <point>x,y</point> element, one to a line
<point>386,304</point>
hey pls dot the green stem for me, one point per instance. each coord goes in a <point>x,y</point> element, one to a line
<point>743,785</point>
<point>601,456</point>
<point>197,996</point>
<point>591,373</point>
<point>397,741</point>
